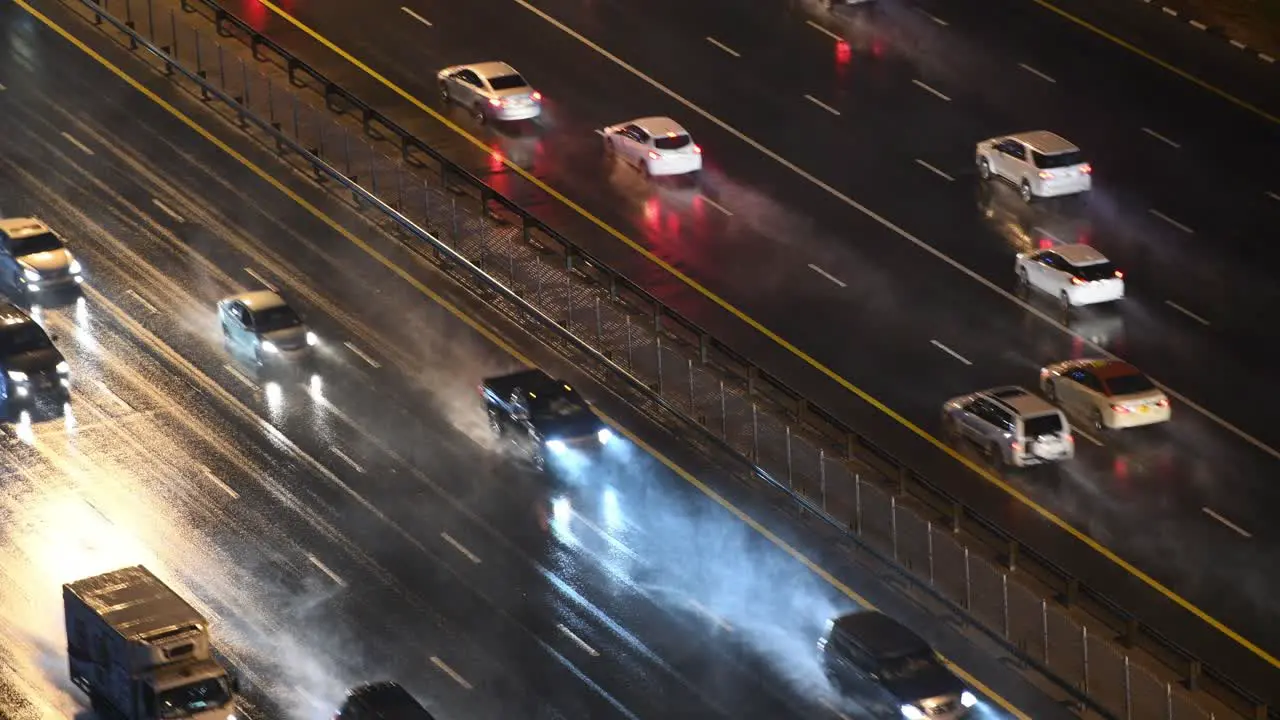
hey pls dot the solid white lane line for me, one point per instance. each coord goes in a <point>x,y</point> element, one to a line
<point>460,548</point>
<point>1238,44</point>
<point>1160,137</point>
<point>821,104</point>
<point>935,170</point>
<point>348,460</point>
<point>706,612</point>
<point>1272,195</point>
<point>1086,436</point>
<point>1199,25</point>
<point>1186,312</point>
<point>241,376</point>
<point>826,275</point>
<point>1036,72</point>
<point>114,397</point>
<point>1169,11</point>
<point>935,92</point>
<point>723,47</point>
<point>254,274</point>
<point>823,30</point>
<point>937,19</point>
<point>416,16</point>
<point>167,210</point>
<point>77,143</point>
<point>1228,523</point>
<point>951,352</point>
<point>1171,221</point>
<point>218,481</point>
<point>325,569</point>
<point>361,353</point>
<point>130,292</point>
<point>918,242</point>
<point>716,205</point>
<point>1266,58</point>
<point>450,672</point>
<point>577,640</point>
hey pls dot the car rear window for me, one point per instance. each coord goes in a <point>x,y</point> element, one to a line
<point>1058,160</point>
<point>1128,384</point>
<point>1097,271</point>
<point>507,82</point>
<point>667,142</point>
<point>1042,425</point>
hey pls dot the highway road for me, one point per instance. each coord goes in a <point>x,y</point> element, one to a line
<point>359,523</point>
<point>811,122</point>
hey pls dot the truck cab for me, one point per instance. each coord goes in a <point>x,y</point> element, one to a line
<point>542,415</point>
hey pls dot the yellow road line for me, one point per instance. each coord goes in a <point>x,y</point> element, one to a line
<point>1164,64</point>
<point>811,361</point>
<point>974,683</point>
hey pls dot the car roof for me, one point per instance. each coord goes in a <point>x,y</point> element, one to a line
<point>492,69</point>
<point>389,700</point>
<point>1020,400</point>
<point>880,634</point>
<point>660,126</point>
<point>1080,255</point>
<point>20,227</point>
<point>1045,142</point>
<point>257,300</point>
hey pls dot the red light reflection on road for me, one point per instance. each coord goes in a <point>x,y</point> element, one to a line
<point>877,49</point>
<point>1120,468</point>
<point>652,214</point>
<point>495,162</point>
<point>844,53</point>
<point>258,16</point>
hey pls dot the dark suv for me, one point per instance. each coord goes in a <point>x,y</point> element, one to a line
<point>872,658</point>
<point>33,368</point>
<point>381,701</point>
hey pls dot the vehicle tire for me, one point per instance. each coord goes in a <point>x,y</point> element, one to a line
<point>993,455</point>
<point>1098,423</point>
<point>609,149</point>
<point>1051,392</point>
<point>444,94</point>
<point>1024,282</point>
<point>950,429</point>
<point>644,170</point>
<point>984,169</point>
<point>1064,301</point>
<point>479,114</point>
<point>1025,191</point>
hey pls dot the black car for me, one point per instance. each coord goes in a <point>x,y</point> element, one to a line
<point>33,368</point>
<point>541,414</point>
<point>871,657</point>
<point>381,701</point>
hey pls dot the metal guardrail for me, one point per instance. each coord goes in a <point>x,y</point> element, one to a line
<point>534,274</point>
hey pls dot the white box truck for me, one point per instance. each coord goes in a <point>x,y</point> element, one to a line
<point>141,652</point>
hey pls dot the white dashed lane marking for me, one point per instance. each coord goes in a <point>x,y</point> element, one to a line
<point>923,86</point>
<point>325,569</point>
<point>1186,312</point>
<point>821,104</point>
<point>826,275</point>
<point>723,47</point>
<point>1036,72</point>
<point>578,641</point>
<point>1228,523</point>
<point>824,31</point>
<point>1171,221</point>
<point>71,139</point>
<point>933,169</point>
<point>450,672</point>
<point>416,16</point>
<point>1160,137</point>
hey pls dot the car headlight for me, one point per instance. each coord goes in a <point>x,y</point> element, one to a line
<point>967,699</point>
<point>604,436</point>
<point>64,368</point>
<point>30,274</point>
<point>17,376</point>
<point>311,338</point>
<point>269,346</point>
<point>911,712</point>
<point>556,446</point>
<point>74,267</point>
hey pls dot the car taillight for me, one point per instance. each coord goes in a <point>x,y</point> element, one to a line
<point>1017,447</point>
<point>1070,439</point>
<point>697,149</point>
<point>1120,409</point>
<point>1078,281</point>
<point>1120,274</point>
<point>1046,175</point>
<point>537,96</point>
<point>1087,169</point>
<point>653,155</point>
<point>495,102</point>
<point>1162,402</point>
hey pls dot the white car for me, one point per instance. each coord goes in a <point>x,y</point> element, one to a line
<point>1075,274</point>
<point>654,145</point>
<point>491,91</point>
<point>1039,164</point>
<point>262,324</point>
<point>34,259</point>
<point>1109,393</point>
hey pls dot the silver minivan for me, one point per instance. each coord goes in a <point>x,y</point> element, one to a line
<point>1010,425</point>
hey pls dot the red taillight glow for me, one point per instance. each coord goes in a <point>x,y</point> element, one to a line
<point>653,155</point>
<point>1071,439</point>
<point>1120,409</point>
<point>697,149</point>
<point>1162,402</point>
<point>1017,447</point>
<point>537,96</point>
<point>1087,169</point>
<point>495,102</point>
<point>1077,281</point>
<point>1046,175</point>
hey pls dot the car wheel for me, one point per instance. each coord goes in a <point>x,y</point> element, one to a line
<point>1025,191</point>
<point>479,114</point>
<point>644,170</point>
<point>984,169</point>
<point>1024,282</point>
<point>993,455</point>
<point>444,93</point>
<point>1064,300</point>
<point>1098,423</point>
<point>1051,391</point>
<point>609,149</point>
<point>950,429</point>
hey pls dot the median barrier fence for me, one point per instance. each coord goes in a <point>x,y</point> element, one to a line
<point>1110,663</point>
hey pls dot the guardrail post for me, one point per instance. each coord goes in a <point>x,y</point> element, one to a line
<point>630,365</point>
<point>755,435</point>
<point>1084,649</point>
<point>128,22</point>
<point>657,317</point>
<point>957,515</point>
<point>1128,690</point>
<point>1131,630</point>
<point>1193,675</point>
<point>151,20</point>
<point>97,16</point>
<point>968,581</point>
<point>724,414</point>
<point>693,398</point>
<point>568,311</point>
<point>1012,559</point>
<point>893,524</point>
<point>1004,601</point>
<point>346,154</point>
<point>857,503</point>
<point>373,170</point>
<point>822,478</point>
<point>222,68</point>
<point>296,136</point>
<point>928,539</point>
<point>789,474</point>
<point>453,213</point>
<point>185,6</point>
<point>243,100</point>
<point>704,342</point>
<point>753,374</point>
<point>902,474</point>
<point>173,31</point>
<point>657,344</point>
<point>1044,627</point>
<point>1071,594</point>
<point>599,324</point>
<point>200,71</point>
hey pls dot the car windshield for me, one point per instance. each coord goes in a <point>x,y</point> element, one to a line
<point>667,142</point>
<point>1042,425</point>
<point>1095,272</point>
<point>32,244</point>
<point>507,82</point>
<point>1129,384</point>
<point>900,668</point>
<point>1058,160</point>
<point>559,405</point>
<point>184,701</point>
<point>276,318</point>
<point>22,337</point>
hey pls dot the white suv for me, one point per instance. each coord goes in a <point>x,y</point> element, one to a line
<point>1039,164</point>
<point>1010,425</point>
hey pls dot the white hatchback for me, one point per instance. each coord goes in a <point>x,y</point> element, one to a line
<point>1038,163</point>
<point>1075,274</point>
<point>654,145</point>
